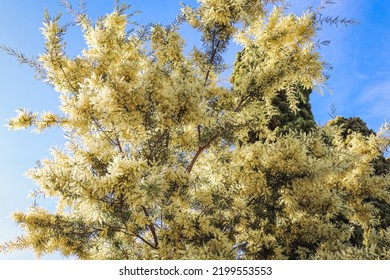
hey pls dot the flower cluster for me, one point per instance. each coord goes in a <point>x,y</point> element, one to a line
<point>163,162</point>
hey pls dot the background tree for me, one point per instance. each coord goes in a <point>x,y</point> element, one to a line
<point>162,162</point>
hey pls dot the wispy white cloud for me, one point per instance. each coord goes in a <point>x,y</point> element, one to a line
<point>378,91</point>
<point>374,100</point>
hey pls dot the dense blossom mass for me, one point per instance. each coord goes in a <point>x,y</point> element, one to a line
<point>163,161</point>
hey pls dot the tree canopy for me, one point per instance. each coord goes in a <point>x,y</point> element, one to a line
<point>162,161</point>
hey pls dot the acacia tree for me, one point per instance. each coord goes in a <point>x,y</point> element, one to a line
<point>163,162</point>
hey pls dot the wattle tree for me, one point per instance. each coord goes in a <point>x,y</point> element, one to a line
<point>162,161</point>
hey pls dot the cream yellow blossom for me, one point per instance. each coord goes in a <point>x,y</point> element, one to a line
<point>161,161</point>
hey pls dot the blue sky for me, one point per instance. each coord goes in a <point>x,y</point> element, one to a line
<point>360,82</point>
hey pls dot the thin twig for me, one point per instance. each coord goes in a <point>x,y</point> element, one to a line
<point>144,240</point>
<point>32,62</point>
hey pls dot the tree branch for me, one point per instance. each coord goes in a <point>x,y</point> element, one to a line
<point>213,54</point>
<point>200,151</point>
<point>212,139</point>
<point>143,240</point>
<point>152,228</point>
